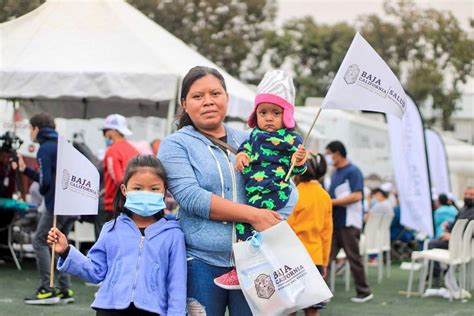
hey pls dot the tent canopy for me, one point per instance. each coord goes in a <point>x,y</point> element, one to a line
<point>99,51</point>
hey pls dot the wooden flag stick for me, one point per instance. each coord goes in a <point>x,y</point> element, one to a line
<point>304,142</point>
<point>51,271</point>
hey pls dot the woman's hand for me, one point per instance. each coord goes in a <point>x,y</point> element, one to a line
<point>299,157</point>
<point>19,165</point>
<point>264,219</point>
<point>241,161</point>
<point>58,240</point>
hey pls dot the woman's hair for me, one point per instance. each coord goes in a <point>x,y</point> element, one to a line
<point>379,190</point>
<point>192,76</point>
<point>317,167</point>
<point>138,163</point>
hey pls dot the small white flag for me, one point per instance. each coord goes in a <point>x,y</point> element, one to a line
<point>365,82</point>
<point>77,182</point>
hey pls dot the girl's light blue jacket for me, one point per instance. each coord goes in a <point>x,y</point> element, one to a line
<point>196,169</point>
<point>149,270</point>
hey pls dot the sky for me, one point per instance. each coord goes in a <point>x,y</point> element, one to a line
<point>332,11</point>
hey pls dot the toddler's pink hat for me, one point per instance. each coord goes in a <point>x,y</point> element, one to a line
<point>276,87</point>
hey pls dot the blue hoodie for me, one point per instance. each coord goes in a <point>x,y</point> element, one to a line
<point>47,156</point>
<point>196,169</point>
<point>149,270</point>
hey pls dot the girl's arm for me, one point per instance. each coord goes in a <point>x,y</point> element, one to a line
<point>176,279</point>
<point>92,268</point>
<point>200,202</point>
<point>326,233</point>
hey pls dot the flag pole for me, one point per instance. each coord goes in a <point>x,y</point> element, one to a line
<point>51,274</point>
<point>304,142</point>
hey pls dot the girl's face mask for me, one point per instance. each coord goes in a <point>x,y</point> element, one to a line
<point>144,203</point>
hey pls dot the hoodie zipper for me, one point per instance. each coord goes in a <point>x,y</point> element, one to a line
<point>140,247</point>
<point>234,198</point>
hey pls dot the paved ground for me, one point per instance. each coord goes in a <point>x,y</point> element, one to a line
<point>15,285</point>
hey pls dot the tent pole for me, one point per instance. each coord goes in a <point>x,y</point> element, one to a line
<point>84,112</point>
<point>172,109</point>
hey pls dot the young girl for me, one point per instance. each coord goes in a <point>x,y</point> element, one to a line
<point>265,158</point>
<point>312,218</point>
<point>140,256</point>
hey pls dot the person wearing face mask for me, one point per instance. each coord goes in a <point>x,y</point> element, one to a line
<point>43,131</point>
<point>118,153</point>
<point>346,190</point>
<point>140,257</point>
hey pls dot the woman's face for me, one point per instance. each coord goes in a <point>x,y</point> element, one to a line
<point>206,103</point>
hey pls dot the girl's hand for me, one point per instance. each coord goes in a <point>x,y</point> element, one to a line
<point>241,161</point>
<point>58,239</point>
<point>325,272</point>
<point>299,157</point>
<point>265,219</point>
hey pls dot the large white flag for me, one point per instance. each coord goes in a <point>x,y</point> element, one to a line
<point>438,161</point>
<point>410,167</point>
<point>365,82</point>
<point>77,182</point>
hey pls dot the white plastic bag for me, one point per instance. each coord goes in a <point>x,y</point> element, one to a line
<point>276,273</point>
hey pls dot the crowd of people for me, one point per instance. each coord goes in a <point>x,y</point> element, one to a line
<point>227,183</point>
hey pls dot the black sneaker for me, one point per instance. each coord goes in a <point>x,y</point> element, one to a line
<point>66,296</point>
<point>43,297</point>
<point>362,299</point>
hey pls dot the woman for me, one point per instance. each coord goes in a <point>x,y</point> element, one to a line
<point>200,170</point>
<point>312,218</point>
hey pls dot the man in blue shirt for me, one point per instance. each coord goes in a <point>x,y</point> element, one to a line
<point>346,190</point>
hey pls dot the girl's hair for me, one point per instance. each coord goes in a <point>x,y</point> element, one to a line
<point>135,165</point>
<point>192,76</point>
<point>317,167</point>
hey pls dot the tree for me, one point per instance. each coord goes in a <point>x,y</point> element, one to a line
<point>10,9</point>
<point>224,31</point>
<point>427,49</point>
<point>312,51</point>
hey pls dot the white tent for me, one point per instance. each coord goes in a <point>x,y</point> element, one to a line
<point>87,58</point>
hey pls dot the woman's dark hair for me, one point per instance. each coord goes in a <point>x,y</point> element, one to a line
<point>194,74</point>
<point>379,190</point>
<point>316,168</point>
<point>443,199</point>
<point>136,164</point>
<point>337,147</point>
<point>42,120</point>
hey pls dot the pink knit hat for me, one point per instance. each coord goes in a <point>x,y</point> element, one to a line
<point>277,88</point>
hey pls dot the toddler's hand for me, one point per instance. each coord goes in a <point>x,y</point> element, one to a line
<point>58,239</point>
<point>241,161</point>
<point>299,157</point>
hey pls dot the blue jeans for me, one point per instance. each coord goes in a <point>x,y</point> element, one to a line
<point>205,298</point>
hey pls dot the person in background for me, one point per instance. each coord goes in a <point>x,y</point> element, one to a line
<point>43,131</point>
<point>467,212</point>
<point>7,174</point>
<point>155,146</point>
<point>311,219</point>
<point>346,190</point>
<point>443,215</point>
<point>119,152</point>
<point>379,203</point>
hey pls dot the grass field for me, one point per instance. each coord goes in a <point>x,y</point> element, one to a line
<point>15,285</point>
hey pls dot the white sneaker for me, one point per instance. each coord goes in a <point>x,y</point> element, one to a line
<point>362,299</point>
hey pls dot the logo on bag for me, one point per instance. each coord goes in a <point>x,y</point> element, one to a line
<point>351,74</point>
<point>264,286</point>
<point>65,179</point>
